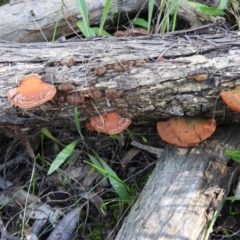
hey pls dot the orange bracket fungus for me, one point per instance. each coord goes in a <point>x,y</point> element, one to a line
<point>184,132</point>
<point>32,92</point>
<point>110,123</point>
<point>232,98</point>
<point>199,77</point>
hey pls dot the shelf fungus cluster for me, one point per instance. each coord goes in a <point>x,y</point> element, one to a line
<point>108,123</point>
<point>184,132</point>
<point>121,66</point>
<point>79,97</point>
<point>32,92</point>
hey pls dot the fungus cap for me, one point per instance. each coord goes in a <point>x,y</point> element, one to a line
<point>89,126</point>
<point>110,123</point>
<point>184,132</point>
<point>32,92</point>
<point>232,98</point>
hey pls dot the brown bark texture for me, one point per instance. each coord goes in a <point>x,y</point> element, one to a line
<point>153,72</point>
<point>184,190</point>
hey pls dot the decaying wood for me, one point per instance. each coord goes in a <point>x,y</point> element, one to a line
<point>157,89</point>
<point>35,21</point>
<point>185,188</point>
<point>39,18</point>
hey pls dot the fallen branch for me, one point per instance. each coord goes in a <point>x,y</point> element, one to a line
<point>154,73</point>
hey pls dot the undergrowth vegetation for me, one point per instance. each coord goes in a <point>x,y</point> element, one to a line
<point>76,174</point>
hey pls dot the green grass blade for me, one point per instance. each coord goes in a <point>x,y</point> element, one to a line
<point>223,4</point>
<point>95,162</point>
<point>61,157</point>
<point>214,218</point>
<point>104,15</point>
<point>86,30</point>
<point>117,184</point>
<point>100,169</point>
<point>174,20</point>
<point>144,139</point>
<point>235,155</point>
<point>204,9</point>
<point>77,123</point>
<point>83,9</point>
<point>84,25</point>
<point>141,22</point>
<point>210,11</point>
<point>232,198</point>
<point>150,12</point>
<point>96,30</point>
<point>56,25</point>
<point>46,132</point>
<point>170,7</point>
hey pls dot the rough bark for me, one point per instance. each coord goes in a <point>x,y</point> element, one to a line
<point>185,188</point>
<point>156,90</point>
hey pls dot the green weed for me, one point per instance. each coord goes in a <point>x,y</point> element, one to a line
<point>235,155</point>
<point>84,24</point>
<point>117,184</point>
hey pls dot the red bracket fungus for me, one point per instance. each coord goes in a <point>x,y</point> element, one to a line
<point>32,92</point>
<point>184,132</point>
<point>232,98</point>
<point>110,123</point>
<point>89,126</point>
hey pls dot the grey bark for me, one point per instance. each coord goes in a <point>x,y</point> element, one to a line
<point>34,21</point>
<point>154,91</point>
<point>185,188</point>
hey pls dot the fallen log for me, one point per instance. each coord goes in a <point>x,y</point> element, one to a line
<point>39,19</point>
<point>185,189</point>
<point>155,73</point>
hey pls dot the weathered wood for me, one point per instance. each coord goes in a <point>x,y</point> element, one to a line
<point>39,18</point>
<point>185,188</point>
<point>156,90</point>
